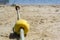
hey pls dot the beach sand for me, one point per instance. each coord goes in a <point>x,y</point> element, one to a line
<point>44,22</point>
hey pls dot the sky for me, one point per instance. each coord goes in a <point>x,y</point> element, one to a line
<point>34,1</point>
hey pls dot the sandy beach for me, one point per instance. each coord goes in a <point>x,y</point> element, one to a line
<point>44,21</point>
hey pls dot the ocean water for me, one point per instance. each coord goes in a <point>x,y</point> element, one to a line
<point>34,1</point>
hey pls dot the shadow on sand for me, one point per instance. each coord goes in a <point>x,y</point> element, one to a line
<point>14,36</point>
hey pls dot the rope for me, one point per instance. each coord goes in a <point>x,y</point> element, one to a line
<point>22,34</point>
<point>18,18</point>
<point>18,15</point>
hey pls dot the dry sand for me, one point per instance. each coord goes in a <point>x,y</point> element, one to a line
<point>44,22</point>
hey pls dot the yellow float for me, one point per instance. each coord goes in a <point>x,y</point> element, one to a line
<point>21,24</point>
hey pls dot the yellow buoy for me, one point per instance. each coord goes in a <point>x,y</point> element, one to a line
<point>21,24</point>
